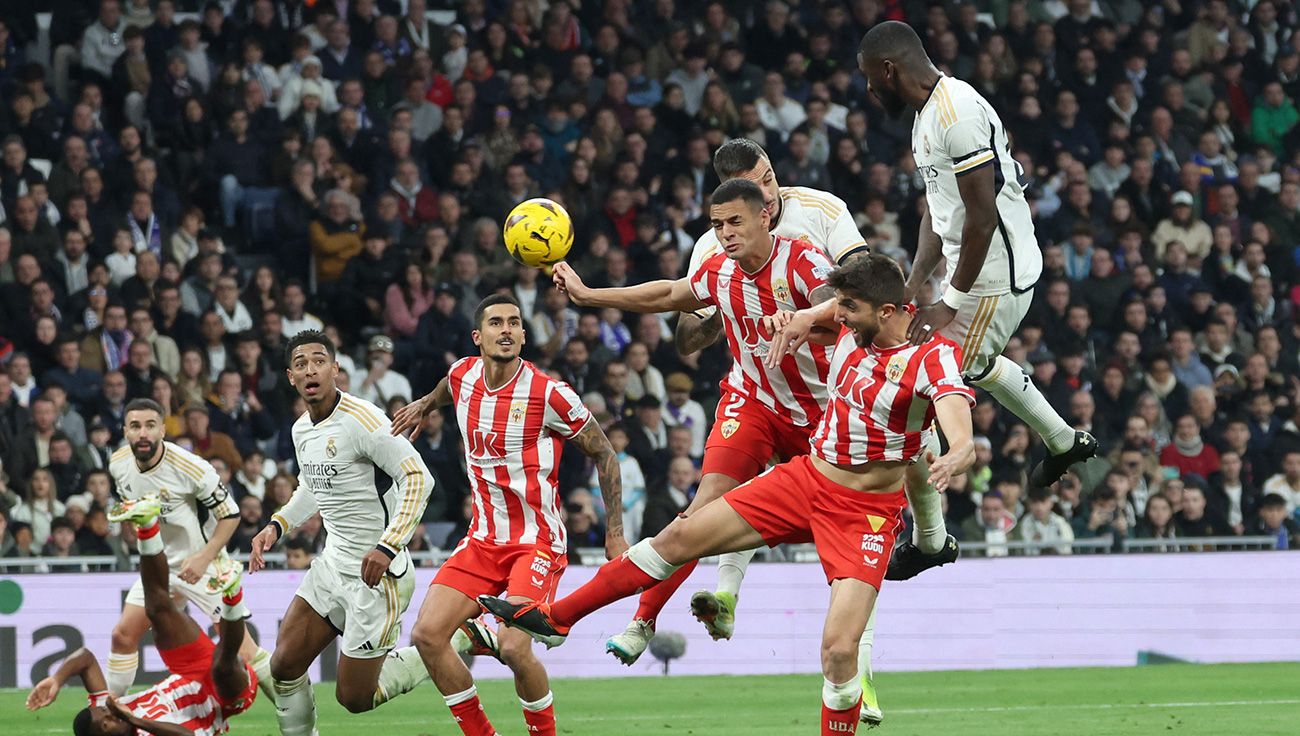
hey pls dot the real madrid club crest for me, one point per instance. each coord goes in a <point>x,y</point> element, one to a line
<point>925,143</point>
<point>895,368</point>
<point>330,449</point>
<point>781,290</point>
<point>729,428</point>
<point>517,411</point>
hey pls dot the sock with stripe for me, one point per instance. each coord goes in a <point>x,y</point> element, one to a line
<point>731,570</point>
<point>261,666</point>
<point>232,606</point>
<point>653,600</point>
<point>150,542</point>
<point>1009,384</point>
<point>295,707</point>
<point>468,712</point>
<point>401,672</point>
<point>121,671</point>
<point>639,568</point>
<point>539,715</point>
<point>841,705</point>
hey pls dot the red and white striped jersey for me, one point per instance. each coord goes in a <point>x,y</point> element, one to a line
<point>513,439</point>
<point>797,388</point>
<point>178,700</point>
<point>882,400</point>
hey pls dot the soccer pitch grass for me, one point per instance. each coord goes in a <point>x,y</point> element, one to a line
<point>1218,700</point>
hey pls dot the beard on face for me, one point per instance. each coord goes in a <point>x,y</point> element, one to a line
<point>146,453</point>
<point>890,100</point>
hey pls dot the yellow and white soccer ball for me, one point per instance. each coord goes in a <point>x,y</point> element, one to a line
<point>538,232</point>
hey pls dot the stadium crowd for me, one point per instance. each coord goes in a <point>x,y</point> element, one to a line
<point>185,186</point>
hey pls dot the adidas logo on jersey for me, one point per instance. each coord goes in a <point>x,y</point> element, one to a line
<point>367,646</point>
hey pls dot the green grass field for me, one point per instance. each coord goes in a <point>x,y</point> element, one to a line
<point>1254,700</point>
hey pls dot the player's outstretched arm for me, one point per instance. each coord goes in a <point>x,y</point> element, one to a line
<point>412,415</point>
<point>216,498</point>
<point>396,457</point>
<point>81,663</point>
<point>695,333</point>
<point>594,444</point>
<point>929,251</point>
<point>953,414</point>
<point>653,296</point>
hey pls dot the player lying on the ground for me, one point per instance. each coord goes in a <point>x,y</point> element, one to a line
<point>846,497</point>
<point>209,683</point>
<point>150,466</point>
<point>360,585</point>
<point>513,419</point>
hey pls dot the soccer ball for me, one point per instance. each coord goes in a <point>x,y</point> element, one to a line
<point>538,233</point>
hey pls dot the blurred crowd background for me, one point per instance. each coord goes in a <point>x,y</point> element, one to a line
<point>186,185</point>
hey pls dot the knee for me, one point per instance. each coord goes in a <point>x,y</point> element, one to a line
<point>284,668</point>
<point>354,702</point>
<point>124,641</point>
<point>428,640</point>
<point>671,544</point>
<point>838,655</point>
<point>517,652</point>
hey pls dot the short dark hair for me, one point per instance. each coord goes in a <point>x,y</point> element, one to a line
<point>481,310</point>
<point>1272,501</point>
<point>308,337</point>
<point>297,543</point>
<point>144,405</point>
<point>871,278</point>
<point>83,724</point>
<point>737,156</point>
<point>742,189</point>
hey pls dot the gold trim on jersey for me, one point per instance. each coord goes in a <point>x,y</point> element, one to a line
<point>809,200</point>
<point>185,465</point>
<point>984,314</point>
<point>120,453</point>
<point>973,162</point>
<point>360,413</point>
<point>947,113</point>
<point>410,504</point>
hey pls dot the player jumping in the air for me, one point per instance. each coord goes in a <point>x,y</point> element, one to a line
<point>209,683</point>
<point>148,466</point>
<point>360,585</point>
<point>977,220</point>
<point>847,497</point>
<point>513,419</point>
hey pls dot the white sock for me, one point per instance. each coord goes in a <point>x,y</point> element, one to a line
<point>295,707</point>
<point>865,645</point>
<point>1009,384</point>
<point>236,611</point>
<point>152,544</point>
<point>261,664</point>
<point>401,672</point>
<point>731,570</point>
<point>540,704</point>
<point>461,697</point>
<point>121,671</point>
<point>841,697</point>
<point>929,532</point>
<point>643,555</point>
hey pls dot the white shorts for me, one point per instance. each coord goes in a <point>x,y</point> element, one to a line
<point>368,619</point>
<point>982,329</point>
<point>183,592</point>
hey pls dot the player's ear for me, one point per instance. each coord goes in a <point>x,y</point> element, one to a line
<point>476,336</point>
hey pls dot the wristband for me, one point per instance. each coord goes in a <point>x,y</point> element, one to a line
<point>386,550</point>
<point>955,298</point>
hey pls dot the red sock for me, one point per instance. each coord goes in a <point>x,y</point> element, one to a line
<point>148,532</point>
<point>654,599</point>
<point>233,600</point>
<point>540,722</point>
<point>472,720</point>
<point>840,722</point>
<point>616,579</point>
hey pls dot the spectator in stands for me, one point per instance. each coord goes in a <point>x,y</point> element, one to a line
<point>1195,519</point>
<point>1286,483</point>
<point>1188,452</point>
<point>1044,526</point>
<point>381,383</point>
<point>992,526</point>
<point>1274,521</point>
<point>238,414</point>
<point>208,444</point>
<point>1158,521</point>
<point>40,505</point>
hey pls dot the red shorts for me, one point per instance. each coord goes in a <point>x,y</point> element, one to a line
<point>854,531</point>
<point>746,435</point>
<point>193,661</point>
<point>478,568</point>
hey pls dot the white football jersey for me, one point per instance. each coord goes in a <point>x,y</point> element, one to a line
<point>336,476</point>
<point>807,214</point>
<point>955,133</point>
<point>182,481</point>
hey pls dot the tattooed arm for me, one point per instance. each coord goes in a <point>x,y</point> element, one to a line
<point>595,445</point>
<point>695,333</point>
